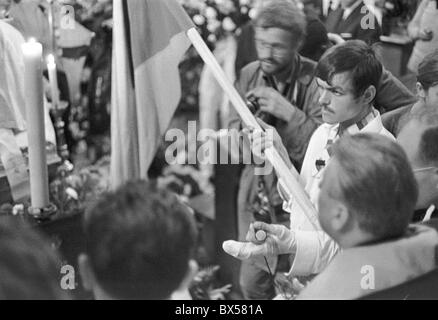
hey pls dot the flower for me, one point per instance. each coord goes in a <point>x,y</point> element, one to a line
<point>217,19</point>
<point>252,13</point>
<point>213,25</point>
<point>228,24</point>
<point>198,19</point>
<point>210,13</point>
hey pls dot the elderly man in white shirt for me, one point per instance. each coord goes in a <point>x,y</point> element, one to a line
<point>347,75</point>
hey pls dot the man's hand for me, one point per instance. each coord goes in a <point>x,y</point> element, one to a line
<point>279,240</point>
<point>262,140</point>
<point>271,101</point>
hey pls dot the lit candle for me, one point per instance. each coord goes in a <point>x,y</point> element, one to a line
<point>53,78</point>
<point>39,182</point>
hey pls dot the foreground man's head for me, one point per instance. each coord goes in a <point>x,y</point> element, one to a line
<point>368,192</point>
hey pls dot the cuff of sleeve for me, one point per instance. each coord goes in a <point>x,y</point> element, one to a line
<point>307,247</point>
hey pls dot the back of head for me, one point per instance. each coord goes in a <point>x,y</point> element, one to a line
<point>428,71</point>
<point>285,15</point>
<point>355,57</point>
<point>376,182</point>
<point>139,242</point>
<point>29,266</point>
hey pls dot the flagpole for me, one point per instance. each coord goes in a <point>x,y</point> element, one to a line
<point>288,177</point>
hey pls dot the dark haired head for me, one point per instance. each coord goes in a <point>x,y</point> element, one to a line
<point>139,242</point>
<point>355,57</point>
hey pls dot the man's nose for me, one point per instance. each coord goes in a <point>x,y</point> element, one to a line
<point>266,53</point>
<point>324,98</point>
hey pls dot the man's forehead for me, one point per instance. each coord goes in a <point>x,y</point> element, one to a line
<point>339,80</point>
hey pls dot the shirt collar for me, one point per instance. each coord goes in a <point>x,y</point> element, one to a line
<point>369,123</point>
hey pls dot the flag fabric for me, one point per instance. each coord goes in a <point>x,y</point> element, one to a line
<point>150,40</point>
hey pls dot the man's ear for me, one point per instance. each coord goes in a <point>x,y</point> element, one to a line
<point>421,93</point>
<point>340,218</point>
<point>86,272</point>
<point>369,94</point>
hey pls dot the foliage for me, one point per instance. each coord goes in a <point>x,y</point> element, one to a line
<point>218,18</point>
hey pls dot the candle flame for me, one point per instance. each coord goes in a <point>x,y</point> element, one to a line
<point>32,40</point>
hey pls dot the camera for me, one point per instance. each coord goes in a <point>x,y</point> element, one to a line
<point>253,106</point>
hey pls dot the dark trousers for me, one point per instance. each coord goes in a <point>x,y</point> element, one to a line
<point>256,283</point>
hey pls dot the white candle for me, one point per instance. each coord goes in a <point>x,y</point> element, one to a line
<point>39,182</point>
<point>53,78</point>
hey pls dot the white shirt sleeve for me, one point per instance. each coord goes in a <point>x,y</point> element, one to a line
<point>315,250</point>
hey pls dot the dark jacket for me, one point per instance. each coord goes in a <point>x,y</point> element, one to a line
<point>395,120</point>
<point>351,28</point>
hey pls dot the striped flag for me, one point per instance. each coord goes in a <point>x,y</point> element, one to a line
<point>150,40</point>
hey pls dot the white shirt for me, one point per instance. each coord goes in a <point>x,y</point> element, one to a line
<point>315,248</point>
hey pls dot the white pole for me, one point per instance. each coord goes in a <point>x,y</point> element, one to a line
<point>288,177</point>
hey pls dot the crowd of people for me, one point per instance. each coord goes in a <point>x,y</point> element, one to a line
<point>366,148</point>
<point>345,93</point>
